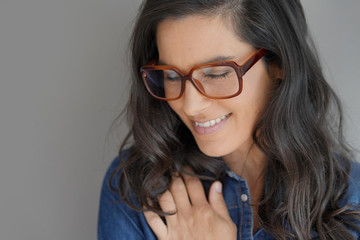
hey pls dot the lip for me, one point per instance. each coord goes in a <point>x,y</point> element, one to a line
<point>212,129</point>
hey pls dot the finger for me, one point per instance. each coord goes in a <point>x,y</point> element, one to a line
<point>167,204</point>
<point>195,189</point>
<point>156,224</point>
<point>217,201</point>
<point>180,194</point>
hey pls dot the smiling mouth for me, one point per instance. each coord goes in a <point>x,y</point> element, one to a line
<point>210,126</point>
<point>211,122</point>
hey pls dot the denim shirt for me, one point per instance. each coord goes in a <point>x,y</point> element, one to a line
<point>119,222</point>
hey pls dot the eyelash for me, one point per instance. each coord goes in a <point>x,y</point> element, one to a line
<point>172,78</point>
<point>212,76</point>
<point>217,76</point>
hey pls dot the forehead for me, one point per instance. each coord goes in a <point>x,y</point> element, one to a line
<point>195,39</point>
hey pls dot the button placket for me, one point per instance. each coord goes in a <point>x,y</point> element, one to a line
<point>245,212</point>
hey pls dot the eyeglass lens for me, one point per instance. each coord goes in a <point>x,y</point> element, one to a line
<point>215,81</point>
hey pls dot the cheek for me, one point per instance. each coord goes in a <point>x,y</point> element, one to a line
<point>175,106</point>
<point>257,88</point>
<point>251,103</point>
<point>245,114</point>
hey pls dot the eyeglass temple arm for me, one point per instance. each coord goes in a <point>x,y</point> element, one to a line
<point>152,62</point>
<point>256,57</point>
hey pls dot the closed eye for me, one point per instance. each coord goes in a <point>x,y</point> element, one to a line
<point>217,76</point>
<point>168,78</point>
<point>172,76</point>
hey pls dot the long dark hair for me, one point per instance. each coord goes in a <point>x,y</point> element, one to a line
<point>300,131</point>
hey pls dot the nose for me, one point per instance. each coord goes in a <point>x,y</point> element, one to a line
<point>194,102</point>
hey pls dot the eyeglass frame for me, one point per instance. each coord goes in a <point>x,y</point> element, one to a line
<point>239,69</point>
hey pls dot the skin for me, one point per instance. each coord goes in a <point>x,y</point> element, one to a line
<point>184,43</point>
<point>196,217</point>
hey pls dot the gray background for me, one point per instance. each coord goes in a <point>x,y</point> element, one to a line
<point>63,73</point>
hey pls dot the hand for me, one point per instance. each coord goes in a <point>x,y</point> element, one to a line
<point>195,217</point>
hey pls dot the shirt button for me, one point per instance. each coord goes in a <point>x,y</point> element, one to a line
<point>244,197</point>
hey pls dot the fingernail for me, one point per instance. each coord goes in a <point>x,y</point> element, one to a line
<point>218,187</point>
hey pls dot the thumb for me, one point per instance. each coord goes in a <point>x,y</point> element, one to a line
<point>217,201</point>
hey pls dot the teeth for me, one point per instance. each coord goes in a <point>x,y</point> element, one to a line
<point>210,123</point>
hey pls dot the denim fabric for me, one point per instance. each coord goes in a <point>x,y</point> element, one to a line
<point>119,222</point>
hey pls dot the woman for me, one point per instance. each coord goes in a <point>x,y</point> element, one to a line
<point>235,133</point>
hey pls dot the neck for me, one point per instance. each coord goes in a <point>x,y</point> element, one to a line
<point>246,163</point>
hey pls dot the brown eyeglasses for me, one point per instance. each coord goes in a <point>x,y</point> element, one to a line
<point>217,80</point>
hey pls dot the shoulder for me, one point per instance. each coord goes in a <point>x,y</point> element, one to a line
<point>352,195</point>
<point>354,182</point>
<point>116,220</point>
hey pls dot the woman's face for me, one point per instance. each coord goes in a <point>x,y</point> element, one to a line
<point>195,40</point>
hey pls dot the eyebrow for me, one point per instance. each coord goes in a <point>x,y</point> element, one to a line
<point>215,59</point>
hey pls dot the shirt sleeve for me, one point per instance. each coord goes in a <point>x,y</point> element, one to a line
<point>116,221</point>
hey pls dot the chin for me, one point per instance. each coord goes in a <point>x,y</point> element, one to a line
<point>212,151</point>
